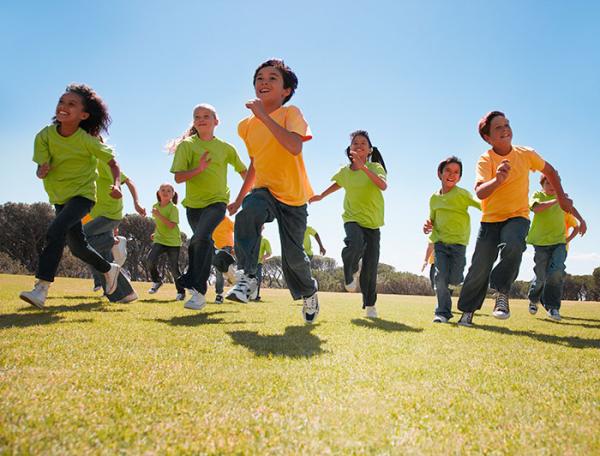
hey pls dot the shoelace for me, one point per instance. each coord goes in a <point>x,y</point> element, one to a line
<point>311,303</point>
<point>502,302</point>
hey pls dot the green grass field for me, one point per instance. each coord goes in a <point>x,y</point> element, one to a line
<point>85,376</point>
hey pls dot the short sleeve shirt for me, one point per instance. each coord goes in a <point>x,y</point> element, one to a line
<point>548,226</point>
<point>265,248</point>
<point>450,216</point>
<point>73,161</point>
<point>223,234</point>
<point>209,186</point>
<point>363,202</point>
<point>171,237</point>
<point>310,231</point>
<point>511,199</point>
<point>106,205</point>
<point>276,168</point>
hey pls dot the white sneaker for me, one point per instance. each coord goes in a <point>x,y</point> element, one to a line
<point>352,287</point>
<point>241,291</point>
<point>440,319</point>
<point>197,301</point>
<point>154,288</point>
<point>112,277</point>
<point>119,250</point>
<point>97,288</point>
<point>37,296</point>
<point>252,289</point>
<point>230,274</point>
<point>371,312</point>
<point>554,314</point>
<point>310,308</point>
<point>129,298</point>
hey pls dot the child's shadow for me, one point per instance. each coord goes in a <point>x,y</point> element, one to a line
<point>95,306</point>
<point>295,342</point>
<point>384,325</point>
<point>196,319</point>
<point>24,321</point>
<point>566,341</point>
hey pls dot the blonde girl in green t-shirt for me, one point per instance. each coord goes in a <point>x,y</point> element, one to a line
<point>67,153</point>
<point>166,238</point>
<point>364,181</point>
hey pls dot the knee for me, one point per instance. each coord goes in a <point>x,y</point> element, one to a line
<point>513,249</point>
<point>555,277</point>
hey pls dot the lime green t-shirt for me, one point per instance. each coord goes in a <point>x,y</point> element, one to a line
<point>265,247</point>
<point>210,186</point>
<point>106,205</point>
<point>450,216</point>
<point>548,226</point>
<point>164,235</point>
<point>73,161</point>
<point>310,231</point>
<point>363,202</point>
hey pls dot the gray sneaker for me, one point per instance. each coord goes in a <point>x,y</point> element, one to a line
<point>554,314</point>
<point>466,319</point>
<point>501,309</point>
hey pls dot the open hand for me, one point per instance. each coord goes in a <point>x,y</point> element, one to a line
<point>204,161</point>
<point>139,209</point>
<point>257,108</point>
<point>357,160</point>
<point>428,227</point>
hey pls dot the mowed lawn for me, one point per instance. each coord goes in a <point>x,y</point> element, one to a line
<point>85,376</point>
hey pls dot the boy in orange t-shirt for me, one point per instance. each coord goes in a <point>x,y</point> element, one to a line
<point>274,135</point>
<point>503,187</point>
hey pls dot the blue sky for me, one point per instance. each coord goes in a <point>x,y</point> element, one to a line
<point>416,75</point>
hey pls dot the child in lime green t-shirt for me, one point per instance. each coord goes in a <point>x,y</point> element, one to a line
<point>166,238</point>
<point>364,181</point>
<point>548,237</point>
<point>67,153</point>
<point>449,226</point>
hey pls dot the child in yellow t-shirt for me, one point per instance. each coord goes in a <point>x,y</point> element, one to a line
<point>223,259</point>
<point>274,135</point>
<point>502,185</point>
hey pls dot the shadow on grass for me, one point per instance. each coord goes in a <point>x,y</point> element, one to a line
<point>96,306</point>
<point>580,319</point>
<point>156,301</point>
<point>25,321</point>
<point>384,325</point>
<point>565,341</point>
<point>71,297</point>
<point>566,323</point>
<point>295,342</point>
<point>196,319</point>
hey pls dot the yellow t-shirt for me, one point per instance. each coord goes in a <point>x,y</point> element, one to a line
<point>277,170</point>
<point>223,234</point>
<point>511,199</point>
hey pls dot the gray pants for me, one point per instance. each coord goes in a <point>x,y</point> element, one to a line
<point>99,234</point>
<point>258,208</point>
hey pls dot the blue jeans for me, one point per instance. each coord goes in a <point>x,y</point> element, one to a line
<point>506,238</point>
<point>221,262</point>
<point>449,266</point>
<point>173,260</point>
<point>66,228</point>
<point>362,243</point>
<point>258,208</point>
<point>100,235</point>
<point>547,286</point>
<point>203,222</point>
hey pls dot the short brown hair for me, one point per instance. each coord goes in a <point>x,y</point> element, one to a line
<point>447,161</point>
<point>290,80</point>
<point>485,122</point>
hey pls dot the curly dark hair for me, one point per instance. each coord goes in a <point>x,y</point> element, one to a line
<point>290,80</point>
<point>99,119</point>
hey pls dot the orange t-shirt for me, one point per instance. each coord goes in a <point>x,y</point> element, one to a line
<point>223,234</point>
<point>511,199</point>
<point>276,169</point>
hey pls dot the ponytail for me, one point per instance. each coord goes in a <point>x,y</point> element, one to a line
<point>377,158</point>
<point>171,146</point>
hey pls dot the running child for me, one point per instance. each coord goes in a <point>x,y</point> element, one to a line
<point>311,232</point>
<point>67,153</point>
<point>502,185</point>
<point>364,181</point>
<point>274,135</point>
<point>449,226</point>
<point>264,253</point>
<point>223,260</point>
<point>549,239</point>
<point>201,161</point>
<point>166,238</point>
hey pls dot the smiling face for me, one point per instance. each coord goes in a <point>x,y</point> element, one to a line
<point>450,176</point>
<point>500,137</point>
<point>70,109</point>
<point>165,193</point>
<point>268,86</point>
<point>360,145</point>
<point>205,121</point>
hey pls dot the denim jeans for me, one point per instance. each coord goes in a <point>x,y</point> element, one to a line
<point>362,243</point>
<point>203,222</point>
<point>100,235</point>
<point>506,238</point>
<point>173,260</point>
<point>66,229</point>
<point>449,266</point>
<point>259,277</point>
<point>547,286</point>
<point>221,262</point>
<point>258,208</point>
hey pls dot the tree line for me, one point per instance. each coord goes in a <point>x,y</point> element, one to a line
<point>24,227</point>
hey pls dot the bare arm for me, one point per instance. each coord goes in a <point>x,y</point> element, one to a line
<point>574,232</point>
<point>566,204</point>
<point>134,195</point>
<point>540,207</point>
<point>115,189</point>
<point>246,187</point>
<point>428,253</point>
<point>182,176</point>
<point>321,246</point>
<point>290,140</point>
<point>484,189</point>
<point>362,165</point>
<point>328,191</point>
<point>169,224</point>
<point>582,228</point>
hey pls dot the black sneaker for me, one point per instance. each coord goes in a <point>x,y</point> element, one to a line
<point>219,299</point>
<point>466,319</point>
<point>533,306</point>
<point>501,309</point>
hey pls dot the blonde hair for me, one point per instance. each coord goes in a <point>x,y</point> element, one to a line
<point>171,146</point>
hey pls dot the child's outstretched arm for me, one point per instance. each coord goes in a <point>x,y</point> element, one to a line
<point>246,187</point>
<point>574,232</point>
<point>322,250</point>
<point>115,189</point>
<point>290,140</point>
<point>134,194</point>
<point>203,162</point>
<point>428,253</point>
<point>582,228</point>
<point>542,206</point>
<point>332,188</point>
<point>566,204</point>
